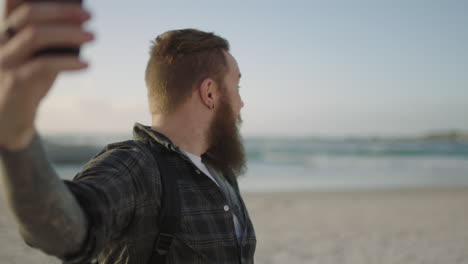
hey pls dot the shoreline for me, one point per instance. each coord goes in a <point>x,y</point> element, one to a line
<point>364,191</point>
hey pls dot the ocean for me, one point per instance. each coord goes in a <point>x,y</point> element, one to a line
<point>301,164</point>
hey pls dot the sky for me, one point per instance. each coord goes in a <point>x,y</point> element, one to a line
<point>309,68</point>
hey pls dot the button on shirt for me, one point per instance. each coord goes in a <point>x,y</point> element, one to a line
<point>201,166</point>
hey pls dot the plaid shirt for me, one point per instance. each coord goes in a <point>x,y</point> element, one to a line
<point>120,192</point>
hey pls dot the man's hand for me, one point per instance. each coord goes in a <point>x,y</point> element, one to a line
<point>24,78</point>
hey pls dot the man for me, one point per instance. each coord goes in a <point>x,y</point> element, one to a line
<point>110,211</point>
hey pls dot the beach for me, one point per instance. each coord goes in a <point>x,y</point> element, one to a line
<point>369,226</point>
<point>392,226</point>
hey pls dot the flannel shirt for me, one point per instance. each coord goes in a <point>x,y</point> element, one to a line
<point>120,192</point>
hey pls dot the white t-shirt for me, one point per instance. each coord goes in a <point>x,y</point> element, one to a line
<point>201,166</point>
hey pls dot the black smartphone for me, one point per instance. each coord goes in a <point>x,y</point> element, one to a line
<point>59,50</point>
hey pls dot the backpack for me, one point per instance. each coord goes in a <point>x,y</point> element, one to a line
<point>169,217</point>
<point>170,213</point>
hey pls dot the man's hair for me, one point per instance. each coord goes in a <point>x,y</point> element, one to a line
<point>179,61</point>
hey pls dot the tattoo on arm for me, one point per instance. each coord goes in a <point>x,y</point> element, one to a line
<point>48,214</point>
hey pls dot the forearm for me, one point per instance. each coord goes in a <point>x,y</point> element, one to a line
<point>48,214</point>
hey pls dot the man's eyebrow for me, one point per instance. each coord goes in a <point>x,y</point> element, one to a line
<point>240,75</point>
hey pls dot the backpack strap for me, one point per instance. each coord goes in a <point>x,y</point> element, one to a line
<point>170,213</point>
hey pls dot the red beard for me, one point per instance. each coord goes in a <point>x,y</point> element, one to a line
<point>226,153</point>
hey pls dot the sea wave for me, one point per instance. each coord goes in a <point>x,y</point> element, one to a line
<point>304,152</point>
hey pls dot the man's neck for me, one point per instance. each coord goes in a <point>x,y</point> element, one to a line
<point>186,132</point>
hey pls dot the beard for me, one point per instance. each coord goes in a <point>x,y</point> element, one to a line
<point>226,152</point>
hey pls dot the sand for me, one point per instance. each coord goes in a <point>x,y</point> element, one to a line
<point>378,227</point>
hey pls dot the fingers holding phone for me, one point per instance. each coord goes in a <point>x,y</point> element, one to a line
<point>39,40</point>
<point>33,15</point>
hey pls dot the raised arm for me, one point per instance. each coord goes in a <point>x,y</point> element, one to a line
<point>48,214</point>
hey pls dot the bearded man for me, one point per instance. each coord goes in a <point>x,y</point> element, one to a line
<point>110,211</point>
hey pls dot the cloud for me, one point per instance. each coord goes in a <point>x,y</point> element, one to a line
<point>86,114</point>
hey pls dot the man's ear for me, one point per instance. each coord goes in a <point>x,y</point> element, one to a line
<point>208,92</point>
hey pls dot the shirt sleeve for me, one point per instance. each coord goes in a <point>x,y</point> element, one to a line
<point>107,190</point>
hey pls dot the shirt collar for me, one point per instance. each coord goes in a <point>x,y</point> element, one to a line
<point>142,132</point>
